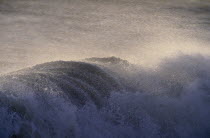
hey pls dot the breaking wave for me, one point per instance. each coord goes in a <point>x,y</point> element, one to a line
<point>107,97</point>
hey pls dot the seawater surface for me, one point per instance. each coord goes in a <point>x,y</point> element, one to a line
<point>104,69</point>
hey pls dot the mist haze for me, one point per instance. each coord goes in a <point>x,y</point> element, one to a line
<point>140,31</point>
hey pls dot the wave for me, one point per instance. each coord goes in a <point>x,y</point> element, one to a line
<point>107,97</point>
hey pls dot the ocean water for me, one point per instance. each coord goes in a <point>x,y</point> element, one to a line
<point>104,69</point>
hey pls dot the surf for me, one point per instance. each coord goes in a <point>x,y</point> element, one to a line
<point>107,97</point>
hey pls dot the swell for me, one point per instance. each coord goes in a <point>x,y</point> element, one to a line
<point>77,83</point>
<point>80,82</point>
<point>107,97</point>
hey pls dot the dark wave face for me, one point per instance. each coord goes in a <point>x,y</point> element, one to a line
<point>105,98</point>
<point>30,92</point>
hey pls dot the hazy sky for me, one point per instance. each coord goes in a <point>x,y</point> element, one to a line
<point>141,31</point>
